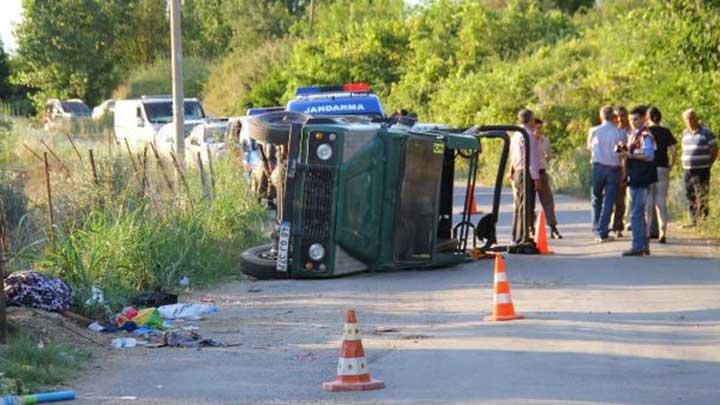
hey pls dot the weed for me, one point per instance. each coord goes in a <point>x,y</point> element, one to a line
<point>28,367</point>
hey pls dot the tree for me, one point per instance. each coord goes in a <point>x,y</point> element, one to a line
<point>5,89</point>
<point>69,48</point>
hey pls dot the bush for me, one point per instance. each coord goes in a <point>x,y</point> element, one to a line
<point>156,79</point>
<point>256,75</point>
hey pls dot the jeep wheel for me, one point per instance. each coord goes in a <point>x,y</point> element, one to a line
<point>259,262</point>
<point>274,127</point>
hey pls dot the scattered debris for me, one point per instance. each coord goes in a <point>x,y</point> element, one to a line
<point>309,356</point>
<point>184,282</point>
<point>124,343</point>
<point>254,289</point>
<point>378,331</point>
<point>187,339</point>
<point>96,327</point>
<point>415,337</point>
<point>207,300</point>
<point>189,312</point>
<point>36,290</point>
<point>96,296</point>
<point>154,299</point>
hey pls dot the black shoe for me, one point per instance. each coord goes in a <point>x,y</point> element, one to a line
<point>646,252</point>
<point>654,236</point>
<point>634,252</point>
<point>662,240</point>
<point>554,233</point>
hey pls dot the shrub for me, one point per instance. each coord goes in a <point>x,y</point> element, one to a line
<point>156,79</point>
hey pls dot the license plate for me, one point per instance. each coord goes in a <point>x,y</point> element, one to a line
<point>283,247</point>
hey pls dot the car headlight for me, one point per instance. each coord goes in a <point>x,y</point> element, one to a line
<point>324,152</point>
<point>316,251</point>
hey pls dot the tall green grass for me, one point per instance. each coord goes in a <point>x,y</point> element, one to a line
<point>120,235</point>
<point>26,367</point>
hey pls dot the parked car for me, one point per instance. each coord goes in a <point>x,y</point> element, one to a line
<point>59,112</point>
<point>207,138</point>
<point>141,121</point>
<point>105,108</point>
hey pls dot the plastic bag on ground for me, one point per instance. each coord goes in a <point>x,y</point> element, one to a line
<point>188,312</point>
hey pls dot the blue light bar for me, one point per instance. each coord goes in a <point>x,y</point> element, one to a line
<point>306,91</point>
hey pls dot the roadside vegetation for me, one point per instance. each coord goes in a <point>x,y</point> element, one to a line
<point>29,367</point>
<point>123,230</point>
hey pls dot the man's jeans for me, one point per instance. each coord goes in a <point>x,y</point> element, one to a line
<point>657,202</point>
<point>605,183</point>
<point>638,197</point>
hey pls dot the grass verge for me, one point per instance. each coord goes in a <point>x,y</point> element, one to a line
<point>28,367</point>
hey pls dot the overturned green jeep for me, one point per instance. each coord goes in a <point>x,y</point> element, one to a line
<point>363,196</point>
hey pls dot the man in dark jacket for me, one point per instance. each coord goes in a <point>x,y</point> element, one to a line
<point>641,173</point>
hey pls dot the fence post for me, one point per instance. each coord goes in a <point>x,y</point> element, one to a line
<point>51,216</point>
<point>202,177</point>
<point>3,248</point>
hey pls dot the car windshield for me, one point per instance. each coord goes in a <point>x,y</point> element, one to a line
<point>75,107</point>
<point>215,134</point>
<point>161,112</point>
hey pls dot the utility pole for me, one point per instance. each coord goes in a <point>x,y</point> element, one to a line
<point>312,14</point>
<point>177,78</point>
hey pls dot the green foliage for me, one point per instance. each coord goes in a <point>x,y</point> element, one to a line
<point>68,48</point>
<point>5,90</point>
<point>28,368</point>
<point>157,79</point>
<point>257,78</point>
<point>118,238</point>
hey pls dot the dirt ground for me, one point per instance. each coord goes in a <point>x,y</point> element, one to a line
<point>600,329</point>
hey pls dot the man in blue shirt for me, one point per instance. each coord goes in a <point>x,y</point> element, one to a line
<point>641,172</point>
<point>699,152</point>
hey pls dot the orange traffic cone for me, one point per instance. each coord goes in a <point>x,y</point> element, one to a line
<point>541,239</point>
<point>352,372</point>
<point>470,203</point>
<point>503,308</point>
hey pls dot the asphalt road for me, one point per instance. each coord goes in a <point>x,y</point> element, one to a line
<point>600,329</point>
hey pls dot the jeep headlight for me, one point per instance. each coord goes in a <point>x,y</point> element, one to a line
<point>316,251</point>
<point>324,152</point>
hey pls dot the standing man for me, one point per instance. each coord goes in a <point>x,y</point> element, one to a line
<point>699,152</point>
<point>601,141</point>
<point>657,192</point>
<point>641,171</point>
<point>545,193</point>
<point>619,205</point>
<point>526,119</point>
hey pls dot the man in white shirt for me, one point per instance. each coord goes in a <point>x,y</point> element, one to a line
<point>602,141</point>
<point>526,118</point>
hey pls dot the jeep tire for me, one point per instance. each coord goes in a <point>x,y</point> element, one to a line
<point>255,265</point>
<point>274,127</point>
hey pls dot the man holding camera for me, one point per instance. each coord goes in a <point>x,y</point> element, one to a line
<point>642,172</point>
<point>602,141</point>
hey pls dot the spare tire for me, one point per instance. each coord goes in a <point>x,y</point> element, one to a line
<point>255,262</point>
<point>274,127</point>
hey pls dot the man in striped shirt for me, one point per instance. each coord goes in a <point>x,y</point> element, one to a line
<point>699,151</point>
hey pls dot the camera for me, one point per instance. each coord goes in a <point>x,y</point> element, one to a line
<point>621,147</point>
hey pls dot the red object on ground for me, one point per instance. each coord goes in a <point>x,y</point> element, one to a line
<point>352,372</point>
<point>130,312</point>
<point>503,308</point>
<point>541,239</point>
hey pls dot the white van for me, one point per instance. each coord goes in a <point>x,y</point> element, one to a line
<point>140,120</point>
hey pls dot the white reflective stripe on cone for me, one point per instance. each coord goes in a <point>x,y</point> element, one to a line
<point>503,299</point>
<point>351,332</point>
<point>356,366</point>
<point>500,277</point>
